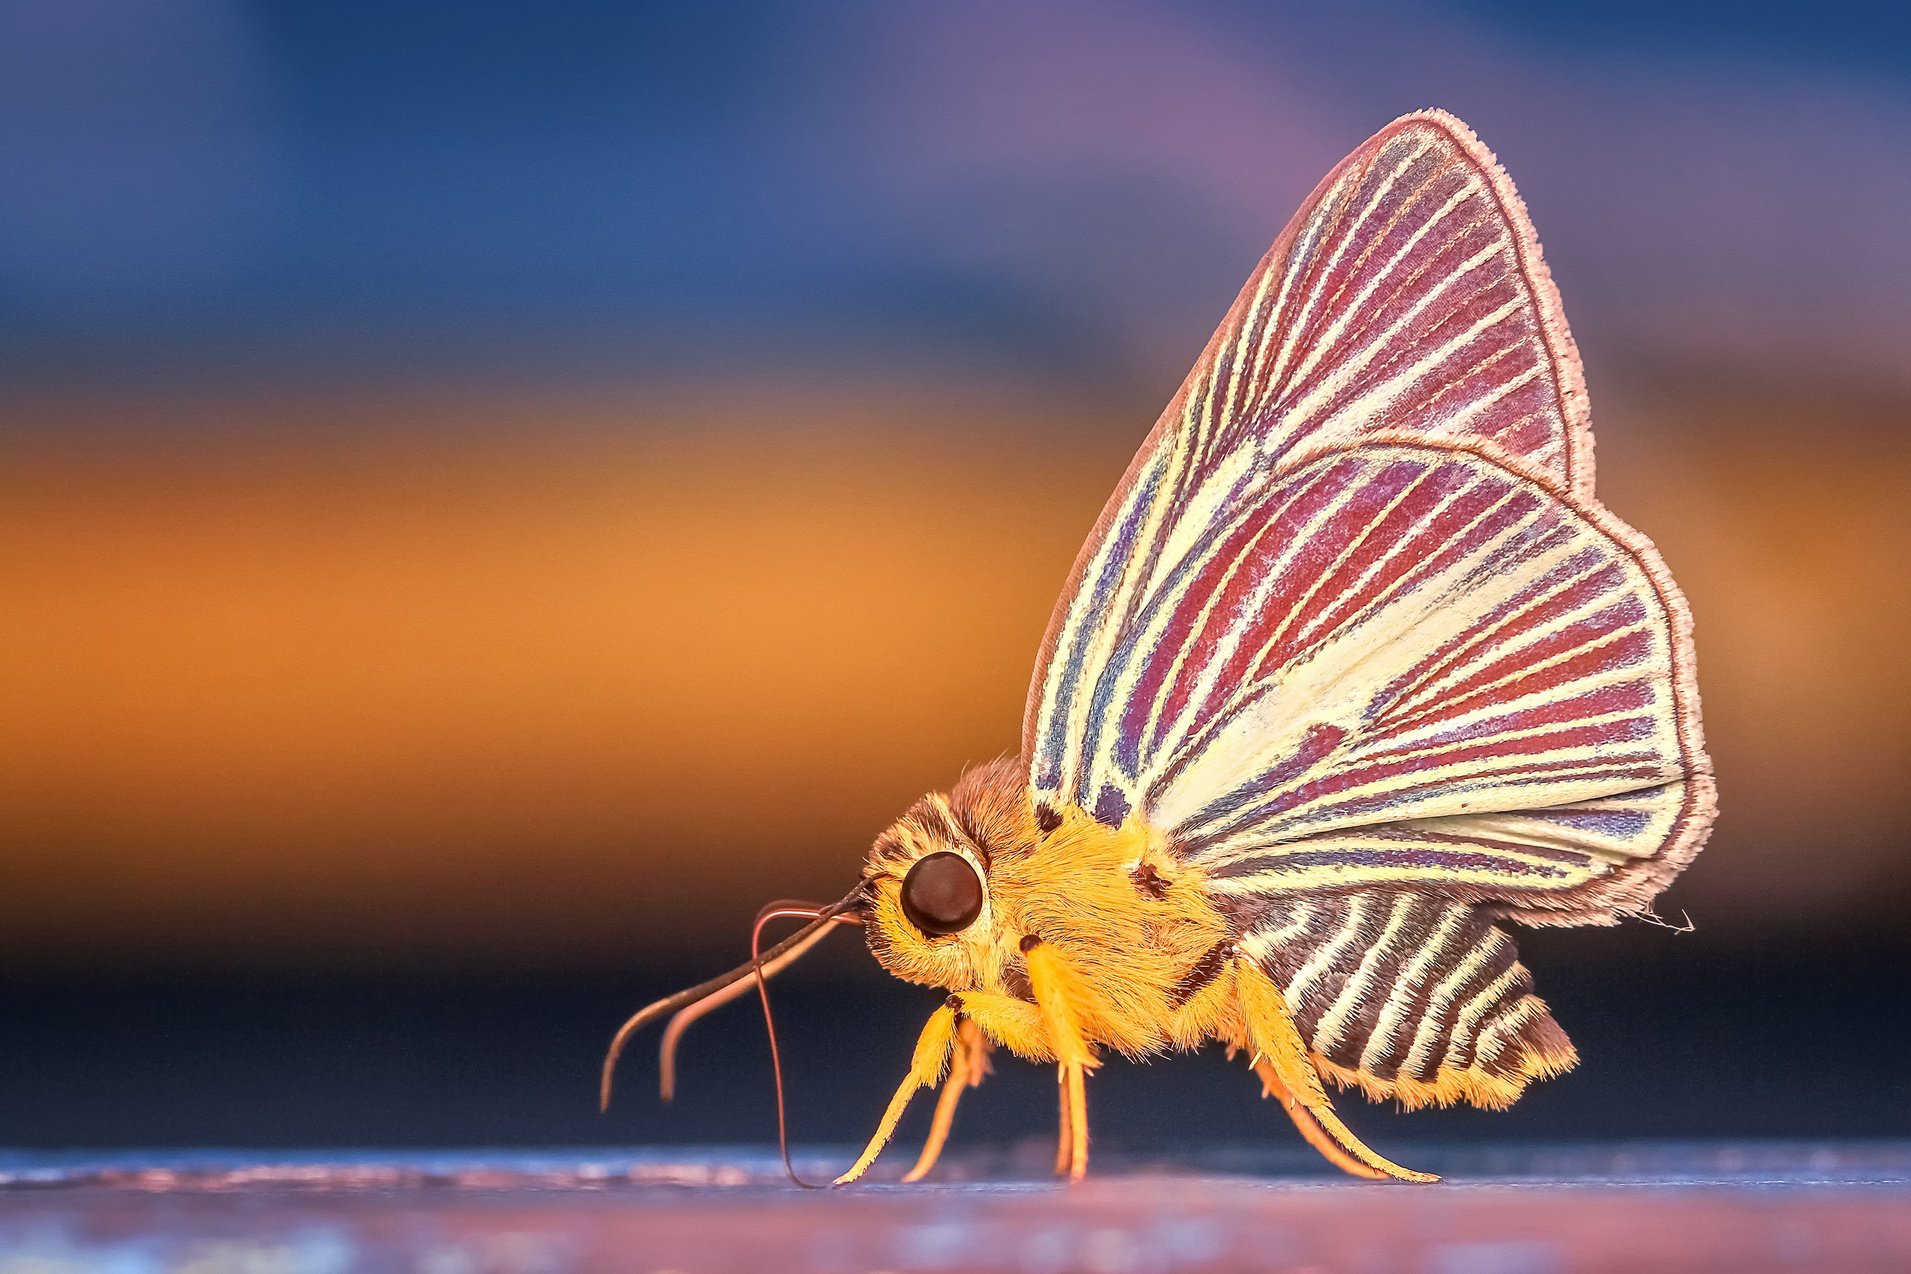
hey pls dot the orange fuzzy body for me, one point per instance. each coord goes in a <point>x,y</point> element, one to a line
<point>1152,959</point>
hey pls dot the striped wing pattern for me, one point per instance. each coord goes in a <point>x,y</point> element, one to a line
<point>1399,665</point>
<point>1408,294</point>
<point>1410,996</point>
<point>1354,634</point>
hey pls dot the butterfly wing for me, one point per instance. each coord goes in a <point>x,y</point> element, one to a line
<point>1409,996</point>
<point>1404,664</point>
<point>1407,294</point>
<point>1354,627</point>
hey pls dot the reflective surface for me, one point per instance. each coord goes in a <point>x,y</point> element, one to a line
<point>1773,1206</point>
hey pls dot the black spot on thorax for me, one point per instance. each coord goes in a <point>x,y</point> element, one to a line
<point>1205,970</point>
<point>1149,881</point>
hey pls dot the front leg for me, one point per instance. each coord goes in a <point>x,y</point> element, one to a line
<point>925,1070</point>
<point>1015,1024</point>
<point>967,1069</point>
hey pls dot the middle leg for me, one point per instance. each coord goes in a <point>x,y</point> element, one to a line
<point>1056,989</point>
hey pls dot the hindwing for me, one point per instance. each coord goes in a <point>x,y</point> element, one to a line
<point>1410,996</point>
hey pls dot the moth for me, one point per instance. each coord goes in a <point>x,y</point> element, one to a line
<point>1353,673</point>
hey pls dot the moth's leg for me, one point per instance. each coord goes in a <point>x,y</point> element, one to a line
<point>1015,1024</point>
<point>1064,1140</point>
<point>1057,989</point>
<point>966,1070</point>
<point>1077,1108</point>
<point>1044,1031</point>
<point>1310,1128</point>
<point>1278,1046</point>
<point>931,1057</point>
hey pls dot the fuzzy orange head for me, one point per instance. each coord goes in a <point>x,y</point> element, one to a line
<point>934,910</point>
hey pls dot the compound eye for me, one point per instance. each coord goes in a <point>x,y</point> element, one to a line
<point>942,893</point>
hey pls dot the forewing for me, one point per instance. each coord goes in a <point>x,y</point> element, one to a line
<point>1407,296</point>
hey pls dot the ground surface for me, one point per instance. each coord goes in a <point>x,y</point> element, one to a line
<point>1510,1211</point>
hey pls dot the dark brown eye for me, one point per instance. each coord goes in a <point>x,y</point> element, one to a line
<point>942,894</point>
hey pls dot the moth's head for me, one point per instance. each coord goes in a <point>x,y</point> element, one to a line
<point>926,908</point>
<point>935,888</point>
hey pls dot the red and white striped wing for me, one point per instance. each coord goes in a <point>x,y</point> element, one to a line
<point>1353,615</point>
<point>1403,664</point>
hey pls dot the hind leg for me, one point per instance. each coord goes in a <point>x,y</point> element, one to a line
<point>1280,1059</point>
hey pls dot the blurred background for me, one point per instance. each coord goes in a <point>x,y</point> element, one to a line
<point>492,493</point>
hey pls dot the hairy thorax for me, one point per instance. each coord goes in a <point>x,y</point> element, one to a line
<point>1135,925</point>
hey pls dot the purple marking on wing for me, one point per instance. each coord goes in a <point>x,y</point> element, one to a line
<point>1111,807</point>
<point>1440,859</point>
<point>1053,744</point>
